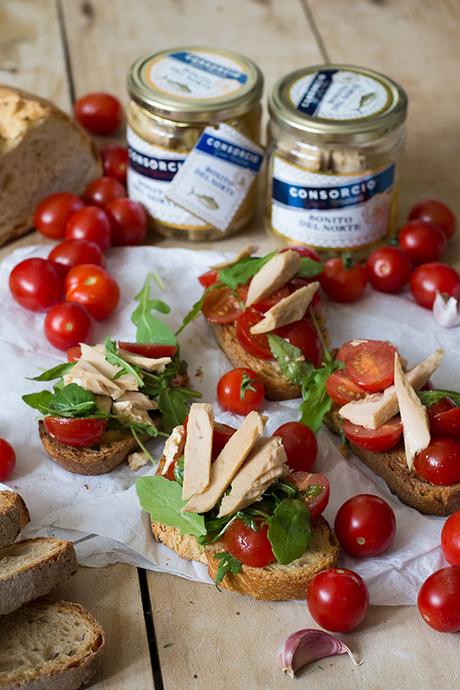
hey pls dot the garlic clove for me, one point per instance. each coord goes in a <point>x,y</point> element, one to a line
<point>446,310</point>
<point>305,646</point>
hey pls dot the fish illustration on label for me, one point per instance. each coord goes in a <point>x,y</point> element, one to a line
<point>206,200</point>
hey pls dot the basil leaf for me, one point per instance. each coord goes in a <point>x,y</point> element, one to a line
<point>125,368</point>
<point>55,372</point>
<point>290,359</point>
<point>227,564</point>
<point>243,270</point>
<point>193,313</point>
<point>72,401</point>
<point>316,402</point>
<point>289,530</point>
<point>309,268</point>
<point>429,398</point>
<point>149,328</point>
<point>163,500</point>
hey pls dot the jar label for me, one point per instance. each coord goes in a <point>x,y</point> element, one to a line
<point>330,211</point>
<point>216,177</point>
<point>150,172</point>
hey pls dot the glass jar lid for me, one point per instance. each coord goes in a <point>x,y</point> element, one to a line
<point>194,83</point>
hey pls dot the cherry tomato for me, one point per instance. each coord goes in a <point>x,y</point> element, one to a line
<point>433,211</point>
<point>268,302</point>
<point>72,253</point>
<point>7,460</point>
<point>337,599</point>
<point>73,353</point>
<point>304,251</point>
<point>343,283</point>
<point>297,283</point>
<point>220,436</point>
<point>300,445</point>
<point>221,306</point>
<point>53,213</point>
<point>66,325</point>
<point>444,419</point>
<point>429,279</point>
<point>149,349</point>
<point>103,190</point>
<point>302,334</point>
<point>36,284</point>
<point>94,288</point>
<point>341,389</point>
<point>371,365</point>
<point>209,278</point>
<point>388,269</point>
<point>378,440</point>
<point>248,546</point>
<point>115,162</point>
<point>347,347</point>
<point>91,223</point>
<point>422,241</point>
<point>256,345</point>
<point>365,525</point>
<point>450,539</point>
<point>317,490</point>
<point>101,113</point>
<point>439,599</point>
<point>240,391</point>
<point>129,222</point>
<point>440,462</point>
<point>75,432</point>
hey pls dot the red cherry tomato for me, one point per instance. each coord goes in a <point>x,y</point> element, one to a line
<point>433,211</point>
<point>440,462</point>
<point>365,525</point>
<point>73,353</point>
<point>94,288</point>
<point>53,213</point>
<point>36,284</point>
<point>342,283</point>
<point>341,389</point>
<point>72,253</point>
<point>115,162</point>
<point>297,283</point>
<point>444,419</point>
<point>429,279</point>
<point>100,113</point>
<point>248,546</point>
<point>129,222</point>
<point>304,251</point>
<point>209,278</point>
<point>303,335</point>
<point>91,223</point>
<point>388,269</point>
<point>7,460</point>
<point>66,325</point>
<point>450,539</point>
<point>371,365</point>
<point>220,436</point>
<point>75,432</point>
<point>149,349</point>
<point>347,347</point>
<point>337,599</point>
<point>103,190</point>
<point>256,345</point>
<point>268,302</point>
<point>439,600</point>
<point>300,445</point>
<point>317,490</point>
<point>422,242</point>
<point>378,440</point>
<point>240,391</point>
<point>221,306</point>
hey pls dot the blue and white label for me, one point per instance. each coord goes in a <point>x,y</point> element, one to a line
<point>330,211</point>
<point>210,66</point>
<point>216,177</point>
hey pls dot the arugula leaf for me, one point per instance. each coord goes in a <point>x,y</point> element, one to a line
<point>289,531</point>
<point>246,385</point>
<point>163,500</point>
<point>179,471</point>
<point>39,401</point>
<point>55,372</point>
<point>125,368</point>
<point>227,564</point>
<point>309,268</point>
<point>194,312</point>
<point>149,328</point>
<point>69,401</point>
<point>141,445</point>
<point>172,403</point>
<point>429,398</point>
<point>243,270</point>
<point>290,359</point>
<point>316,402</point>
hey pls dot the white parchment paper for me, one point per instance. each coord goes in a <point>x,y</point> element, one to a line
<point>102,513</point>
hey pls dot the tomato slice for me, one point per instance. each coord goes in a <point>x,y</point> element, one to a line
<point>444,419</point>
<point>148,349</point>
<point>297,283</point>
<point>256,345</point>
<point>342,389</point>
<point>221,306</point>
<point>73,353</point>
<point>209,278</point>
<point>270,301</point>
<point>318,485</point>
<point>221,434</point>
<point>380,440</point>
<point>302,334</point>
<point>371,365</point>
<point>77,433</point>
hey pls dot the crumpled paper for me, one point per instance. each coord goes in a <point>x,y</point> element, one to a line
<point>102,513</point>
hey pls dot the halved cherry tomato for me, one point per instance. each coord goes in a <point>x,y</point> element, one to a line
<point>53,213</point>
<point>220,436</point>
<point>72,253</point>
<point>343,283</point>
<point>221,306</point>
<point>101,191</point>
<point>98,112</point>
<point>371,365</point>
<point>148,349</point>
<point>256,345</point>
<point>91,223</point>
<point>317,487</point>
<point>67,324</point>
<point>444,419</point>
<point>379,440</point>
<point>347,347</point>
<point>115,162</point>
<point>74,353</point>
<point>365,525</point>
<point>94,288</point>
<point>342,389</point>
<point>240,391</point>
<point>337,599</point>
<point>270,301</point>
<point>434,211</point>
<point>303,335</point>
<point>440,462</point>
<point>450,538</point>
<point>248,546</point>
<point>36,284</point>
<point>439,599</point>
<point>7,460</point>
<point>209,278</point>
<point>75,432</point>
<point>300,445</point>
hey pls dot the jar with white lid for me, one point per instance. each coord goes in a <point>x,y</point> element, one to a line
<point>335,134</point>
<point>175,94</point>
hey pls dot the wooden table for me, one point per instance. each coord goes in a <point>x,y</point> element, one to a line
<point>162,631</point>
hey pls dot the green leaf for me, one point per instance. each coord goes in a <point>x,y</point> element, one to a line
<point>179,471</point>
<point>309,268</point>
<point>149,328</point>
<point>39,401</point>
<point>289,530</point>
<point>172,403</point>
<point>290,359</point>
<point>429,398</point>
<point>163,500</point>
<point>125,368</point>
<point>227,564</point>
<point>69,401</point>
<point>243,270</point>
<point>55,372</point>
<point>316,402</point>
<point>194,312</point>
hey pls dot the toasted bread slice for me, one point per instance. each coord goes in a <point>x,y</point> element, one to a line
<point>427,498</point>
<point>274,582</point>
<point>49,646</point>
<point>14,516</point>
<point>31,568</point>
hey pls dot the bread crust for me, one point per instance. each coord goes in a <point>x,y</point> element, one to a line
<point>14,516</point>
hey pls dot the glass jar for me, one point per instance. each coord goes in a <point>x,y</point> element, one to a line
<point>175,94</point>
<point>335,137</point>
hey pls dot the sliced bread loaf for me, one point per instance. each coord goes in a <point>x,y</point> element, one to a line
<point>14,516</point>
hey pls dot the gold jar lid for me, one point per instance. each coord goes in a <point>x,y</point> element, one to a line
<point>333,101</point>
<point>194,84</point>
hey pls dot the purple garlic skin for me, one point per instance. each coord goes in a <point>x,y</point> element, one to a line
<point>305,646</point>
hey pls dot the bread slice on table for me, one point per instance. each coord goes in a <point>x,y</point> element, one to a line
<point>42,151</point>
<point>49,646</point>
<point>31,568</point>
<point>427,498</point>
<point>275,582</point>
<point>14,516</point>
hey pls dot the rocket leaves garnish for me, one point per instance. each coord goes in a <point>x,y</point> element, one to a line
<point>290,359</point>
<point>289,530</point>
<point>149,328</point>
<point>55,372</point>
<point>227,564</point>
<point>70,401</point>
<point>163,500</point>
<point>240,272</point>
<point>194,312</point>
<point>309,268</point>
<point>429,398</point>
<point>125,367</point>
